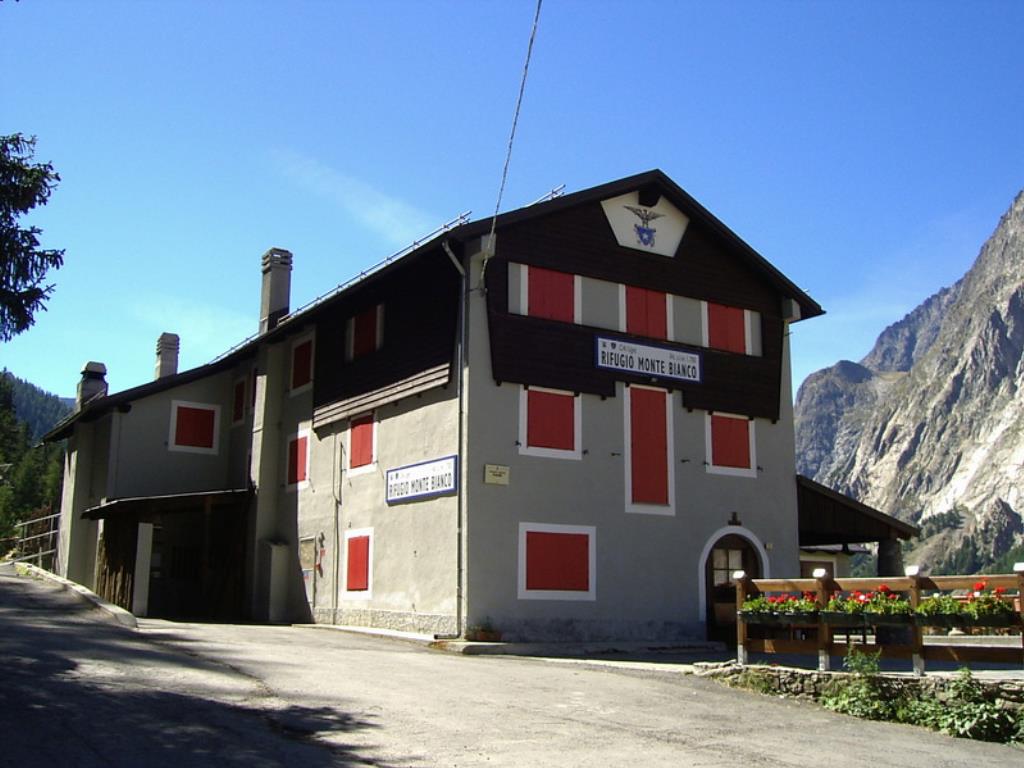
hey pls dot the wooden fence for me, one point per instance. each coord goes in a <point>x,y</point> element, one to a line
<point>820,636</point>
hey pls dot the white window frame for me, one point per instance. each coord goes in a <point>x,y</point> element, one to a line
<point>558,594</point>
<point>172,431</point>
<point>366,468</point>
<point>360,594</point>
<point>291,364</point>
<point>748,331</point>
<point>350,334</point>
<point>637,508</point>
<point>669,314</point>
<point>524,292</point>
<point>550,453</point>
<point>714,469</point>
<point>300,433</point>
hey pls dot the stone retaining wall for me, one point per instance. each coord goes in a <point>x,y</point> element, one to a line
<point>810,684</point>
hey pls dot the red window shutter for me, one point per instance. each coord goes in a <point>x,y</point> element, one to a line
<point>361,445</point>
<point>302,364</point>
<point>194,427</point>
<point>297,460</point>
<point>358,564</point>
<point>364,333</point>
<point>550,420</point>
<point>558,561</point>
<point>238,402</point>
<point>551,294</point>
<point>646,313</point>
<point>730,442</point>
<point>649,446</point>
<point>726,328</point>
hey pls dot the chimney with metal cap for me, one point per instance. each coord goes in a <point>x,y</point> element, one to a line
<point>166,355</point>
<point>277,284</point>
<point>93,383</point>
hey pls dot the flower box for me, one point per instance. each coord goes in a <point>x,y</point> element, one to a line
<point>758,617</point>
<point>946,620</point>
<point>888,619</point>
<point>843,619</point>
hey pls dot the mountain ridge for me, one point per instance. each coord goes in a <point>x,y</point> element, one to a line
<point>931,420</point>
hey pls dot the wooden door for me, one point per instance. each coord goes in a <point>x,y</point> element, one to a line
<point>730,553</point>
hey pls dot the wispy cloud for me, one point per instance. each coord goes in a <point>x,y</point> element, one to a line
<point>205,331</point>
<point>390,217</point>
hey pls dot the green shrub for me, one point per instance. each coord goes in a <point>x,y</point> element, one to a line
<point>861,693</point>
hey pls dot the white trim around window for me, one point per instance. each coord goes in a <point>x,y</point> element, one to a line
<point>554,594</point>
<point>670,332</point>
<point>291,366</point>
<point>550,453</point>
<point>748,328</point>
<point>713,469</point>
<point>172,432</point>
<point>303,432</point>
<point>365,469</point>
<point>627,453</point>
<point>524,293</point>
<point>360,594</point>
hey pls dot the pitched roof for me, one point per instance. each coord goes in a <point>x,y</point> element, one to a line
<point>651,181</point>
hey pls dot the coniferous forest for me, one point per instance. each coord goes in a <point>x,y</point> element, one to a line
<point>31,473</point>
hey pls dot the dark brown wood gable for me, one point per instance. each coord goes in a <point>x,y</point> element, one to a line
<point>420,317</point>
<point>828,517</point>
<point>546,353</point>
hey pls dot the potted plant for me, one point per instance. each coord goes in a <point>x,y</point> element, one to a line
<point>990,607</point>
<point>881,606</point>
<point>941,610</point>
<point>780,609</point>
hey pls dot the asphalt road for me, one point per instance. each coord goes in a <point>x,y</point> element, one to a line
<point>80,690</point>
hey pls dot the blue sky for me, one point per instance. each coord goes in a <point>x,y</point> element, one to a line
<point>866,149</point>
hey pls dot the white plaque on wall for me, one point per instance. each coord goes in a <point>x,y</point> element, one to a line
<point>436,477</point>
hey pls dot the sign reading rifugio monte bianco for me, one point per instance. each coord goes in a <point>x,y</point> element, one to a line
<point>648,360</point>
<point>423,480</point>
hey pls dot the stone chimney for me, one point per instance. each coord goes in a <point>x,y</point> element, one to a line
<point>92,383</point>
<point>277,285</point>
<point>166,355</point>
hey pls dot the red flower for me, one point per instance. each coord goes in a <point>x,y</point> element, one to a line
<point>980,586</point>
<point>884,588</point>
<point>1000,590</point>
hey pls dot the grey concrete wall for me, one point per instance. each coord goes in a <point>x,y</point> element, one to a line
<point>76,546</point>
<point>648,567</point>
<point>145,465</point>
<point>414,543</point>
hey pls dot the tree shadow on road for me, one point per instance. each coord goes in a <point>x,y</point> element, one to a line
<point>79,692</point>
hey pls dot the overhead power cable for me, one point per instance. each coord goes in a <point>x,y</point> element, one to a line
<point>515,122</point>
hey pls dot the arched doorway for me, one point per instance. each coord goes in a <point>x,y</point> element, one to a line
<point>728,554</point>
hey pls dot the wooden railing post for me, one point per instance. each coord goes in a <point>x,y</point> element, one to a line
<point>1018,568</point>
<point>742,590</point>
<point>824,630</point>
<point>917,632</point>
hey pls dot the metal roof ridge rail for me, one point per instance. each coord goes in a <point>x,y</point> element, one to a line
<point>458,221</point>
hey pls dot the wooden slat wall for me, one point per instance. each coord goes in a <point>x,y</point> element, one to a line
<point>420,318</point>
<point>561,355</point>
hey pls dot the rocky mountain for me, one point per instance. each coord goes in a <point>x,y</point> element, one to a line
<point>929,426</point>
